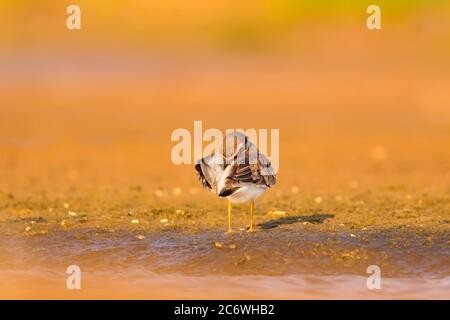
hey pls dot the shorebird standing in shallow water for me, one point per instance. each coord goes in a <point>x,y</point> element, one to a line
<point>238,172</point>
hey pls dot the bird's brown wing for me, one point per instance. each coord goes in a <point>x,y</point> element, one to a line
<point>259,171</point>
<point>201,177</point>
<point>247,165</point>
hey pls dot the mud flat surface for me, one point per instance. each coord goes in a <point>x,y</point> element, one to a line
<point>149,243</point>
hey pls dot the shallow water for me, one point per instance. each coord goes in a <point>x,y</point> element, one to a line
<point>133,284</point>
<point>266,264</point>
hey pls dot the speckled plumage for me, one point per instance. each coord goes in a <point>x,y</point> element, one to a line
<point>238,172</point>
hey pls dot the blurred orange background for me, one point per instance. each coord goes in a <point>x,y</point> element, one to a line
<point>104,99</point>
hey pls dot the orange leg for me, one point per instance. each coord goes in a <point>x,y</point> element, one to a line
<point>251,205</point>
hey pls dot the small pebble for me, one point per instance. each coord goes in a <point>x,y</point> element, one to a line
<point>232,246</point>
<point>278,213</point>
<point>66,205</point>
<point>164,220</point>
<point>352,235</point>
<point>318,199</point>
<point>140,237</point>
<point>135,221</point>
<point>218,245</point>
<point>245,258</point>
<point>27,229</point>
<point>178,211</point>
<point>72,214</point>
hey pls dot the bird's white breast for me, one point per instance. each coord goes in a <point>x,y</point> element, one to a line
<point>246,193</point>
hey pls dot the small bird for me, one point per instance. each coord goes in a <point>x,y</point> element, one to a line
<point>238,172</point>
